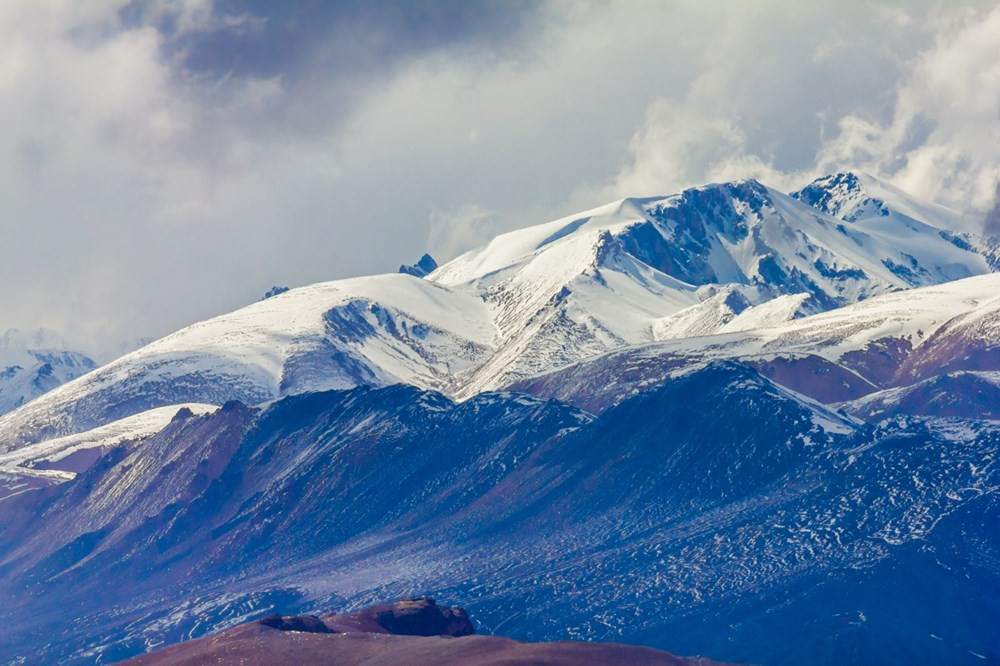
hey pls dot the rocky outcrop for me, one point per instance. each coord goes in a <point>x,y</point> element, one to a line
<point>304,623</point>
<point>415,617</point>
<point>424,267</point>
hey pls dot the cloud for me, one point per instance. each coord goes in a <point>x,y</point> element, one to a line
<point>143,192</point>
<point>680,146</point>
<point>943,140</point>
<point>991,222</point>
<point>167,160</point>
<point>455,231</point>
<point>925,115</point>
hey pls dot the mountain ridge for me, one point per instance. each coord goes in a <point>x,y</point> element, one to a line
<point>704,502</point>
<point>530,301</point>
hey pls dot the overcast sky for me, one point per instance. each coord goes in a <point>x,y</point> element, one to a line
<point>165,161</point>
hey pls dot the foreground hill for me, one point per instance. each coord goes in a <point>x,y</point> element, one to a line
<point>416,632</point>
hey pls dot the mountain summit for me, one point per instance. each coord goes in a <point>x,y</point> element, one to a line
<point>423,267</point>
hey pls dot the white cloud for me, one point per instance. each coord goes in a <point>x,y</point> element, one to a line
<point>943,140</point>
<point>123,180</point>
<point>680,146</point>
<point>455,231</point>
<point>934,129</point>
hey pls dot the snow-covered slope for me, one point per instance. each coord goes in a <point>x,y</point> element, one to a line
<point>894,216</point>
<point>894,339</point>
<point>855,196</point>
<point>62,458</point>
<point>53,453</point>
<point>34,362</point>
<point>705,318</point>
<point>774,312</point>
<point>729,256</point>
<point>648,269</point>
<point>376,330</point>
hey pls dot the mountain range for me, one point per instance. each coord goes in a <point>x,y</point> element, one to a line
<point>732,422</point>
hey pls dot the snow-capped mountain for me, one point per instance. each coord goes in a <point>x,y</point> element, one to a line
<point>377,331</point>
<point>34,362</point>
<point>719,412</point>
<point>724,257</point>
<point>855,196</point>
<point>609,277</point>
<point>884,210</point>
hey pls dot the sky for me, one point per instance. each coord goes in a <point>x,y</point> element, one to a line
<point>165,161</point>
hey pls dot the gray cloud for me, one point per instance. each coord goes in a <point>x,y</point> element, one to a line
<point>913,95</point>
<point>165,161</point>
<point>298,39</point>
<point>991,223</point>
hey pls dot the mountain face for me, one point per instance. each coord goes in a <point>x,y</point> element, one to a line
<point>885,342</point>
<point>365,331</point>
<point>34,362</point>
<point>880,208</point>
<point>731,422</point>
<point>704,516</point>
<point>963,394</point>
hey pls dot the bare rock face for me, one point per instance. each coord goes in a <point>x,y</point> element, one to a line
<point>305,623</point>
<point>409,617</point>
<point>414,617</point>
<point>424,267</point>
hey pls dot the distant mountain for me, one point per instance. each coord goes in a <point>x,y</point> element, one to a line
<point>855,196</point>
<point>424,267</point>
<point>883,209</point>
<point>34,362</point>
<point>961,394</point>
<point>270,293</point>
<point>884,342</point>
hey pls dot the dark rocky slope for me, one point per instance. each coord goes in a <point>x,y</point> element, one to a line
<point>716,513</point>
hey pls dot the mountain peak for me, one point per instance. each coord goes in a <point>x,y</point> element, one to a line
<point>856,196</point>
<point>538,298</point>
<point>843,195</point>
<point>424,266</point>
<point>273,291</point>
